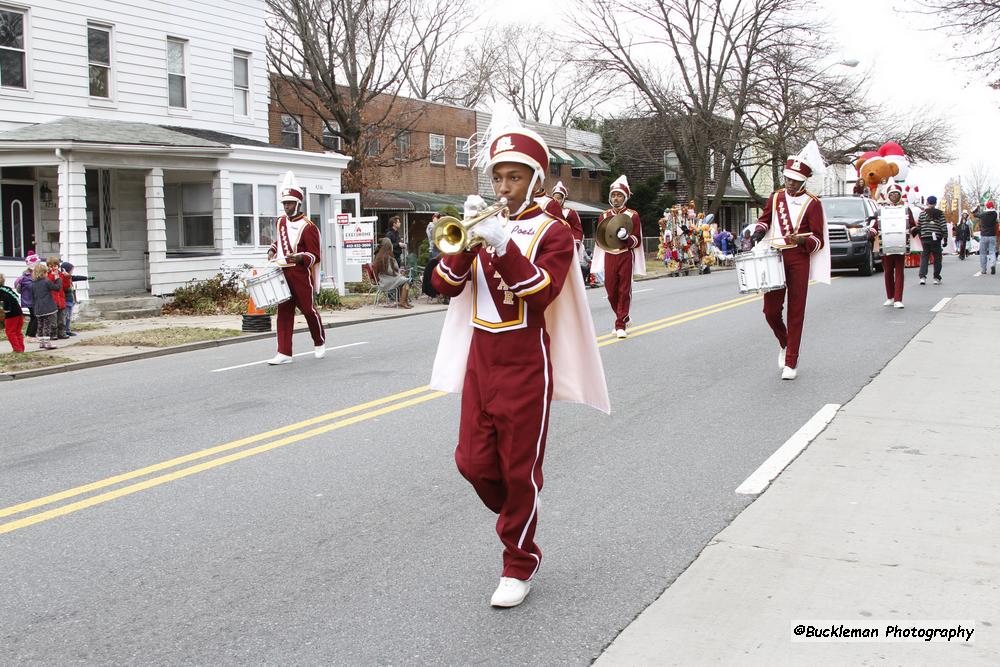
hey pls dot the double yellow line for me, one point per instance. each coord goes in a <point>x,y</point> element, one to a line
<point>338,419</point>
<point>236,450</point>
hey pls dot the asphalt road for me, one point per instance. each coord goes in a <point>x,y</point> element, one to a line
<point>352,539</point>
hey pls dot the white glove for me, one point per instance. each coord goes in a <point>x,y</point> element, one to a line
<point>473,205</point>
<point>622,234</point>
<point>492,231</point>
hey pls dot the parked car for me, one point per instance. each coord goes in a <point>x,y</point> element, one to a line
<point>848,220</point>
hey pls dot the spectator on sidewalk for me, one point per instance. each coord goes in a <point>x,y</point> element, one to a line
<point>433,257</point>
<point>13,316</point>
<point>746,243</point>
<point>933,230</point>
<point>963,232</point>
<point>55,274</point>
<point>393,235</point>
<point>987,237</point>
<point>70,292</point>
<point>389,278</point>
<point>23,285</point>
<point>43,291</point>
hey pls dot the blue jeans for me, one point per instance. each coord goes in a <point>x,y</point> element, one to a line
<point>987,252</point>
<point>68,314</point>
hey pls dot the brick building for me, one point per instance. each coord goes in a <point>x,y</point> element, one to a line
<point>427,157</point>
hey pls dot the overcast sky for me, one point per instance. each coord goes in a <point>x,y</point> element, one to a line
<point>910,68</point>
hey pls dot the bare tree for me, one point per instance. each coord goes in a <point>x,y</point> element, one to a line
<point>344,61</point>
<point>712,48</point>
<point>973,25</point>
<point>979,182</point>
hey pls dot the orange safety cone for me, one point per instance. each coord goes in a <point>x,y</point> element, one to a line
<point>252,308</point>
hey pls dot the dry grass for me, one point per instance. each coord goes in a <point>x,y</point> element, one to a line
<point>24,361</point>
<point>164,337</point>
<point>88,326</point>
<point>353,301</point>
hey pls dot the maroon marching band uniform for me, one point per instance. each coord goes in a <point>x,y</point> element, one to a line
<point>618,268</point>
<point>796,215</point>
<point>299,279</point>
<point>501,443</point>
<point>892,265</point>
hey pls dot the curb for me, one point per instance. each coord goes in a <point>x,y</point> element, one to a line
<point>187,347</point>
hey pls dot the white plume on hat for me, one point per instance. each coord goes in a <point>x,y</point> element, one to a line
<point>812,158</point>
<point>620,184</point>
<point>290,190</point>
<point>503,119</point>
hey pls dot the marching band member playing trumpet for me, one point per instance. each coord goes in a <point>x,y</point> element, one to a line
<point>618,268</point>
<point>793,221</point>
<point>517,335</point>
<point>297,250</point>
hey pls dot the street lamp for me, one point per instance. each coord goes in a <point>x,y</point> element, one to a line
<point>850,62</point>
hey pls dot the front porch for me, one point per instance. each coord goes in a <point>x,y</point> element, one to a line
<point>144,218</point>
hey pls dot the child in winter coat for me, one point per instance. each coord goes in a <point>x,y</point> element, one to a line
<point>44,307</point>
<point>69,292</point>
<point>23,286</point>
<point>55,274</point>
<point>13,317</point>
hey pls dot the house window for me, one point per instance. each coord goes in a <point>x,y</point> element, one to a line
<point>576,173</point>
<point>593,175</point>
<point>241,84</point>
<point>437,149</point>
<point>97,195</point>
<point>267,209</point>
<point>177,73</point>
<point>189,215</point>
<point>243,213</point>
<point>331,135</point>
<point>403,144</point>
<point>374,147</point>
<point>13,55</point>
<point>671,165</point>
<point>461,152</point>
<point>291,131</point>
<point>99,58</point>
<point>555,169</point>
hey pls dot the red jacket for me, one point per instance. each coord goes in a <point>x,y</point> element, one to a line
<point>59,295</point>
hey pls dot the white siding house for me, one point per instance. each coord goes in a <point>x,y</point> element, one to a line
<point>133,141</point>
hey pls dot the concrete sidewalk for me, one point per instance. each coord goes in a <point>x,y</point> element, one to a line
<point>891,514</point>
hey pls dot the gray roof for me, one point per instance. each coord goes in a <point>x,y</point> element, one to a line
<point>86,130</point>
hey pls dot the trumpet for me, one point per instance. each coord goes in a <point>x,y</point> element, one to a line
<point>452,236</point>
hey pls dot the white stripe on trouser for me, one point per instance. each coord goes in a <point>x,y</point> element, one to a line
<point>538,449</point>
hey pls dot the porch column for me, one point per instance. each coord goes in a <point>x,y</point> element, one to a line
<point>222,212</point>
<point>156,226</point>
<point>72,189</point>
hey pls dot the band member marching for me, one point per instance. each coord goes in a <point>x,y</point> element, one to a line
<point>619,267</point>
<point>296,251</point>
<point>559,194</point>
<point>517,335</point>
<point>793,221</point>
<point>892,264</point>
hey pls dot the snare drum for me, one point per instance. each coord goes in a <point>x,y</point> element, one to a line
<point>760,271</point>
<point>269,288</point>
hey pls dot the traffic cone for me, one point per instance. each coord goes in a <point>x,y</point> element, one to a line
<point>252,308</point>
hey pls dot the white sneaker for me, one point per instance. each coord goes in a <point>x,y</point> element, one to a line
<point>781,358</point>
<point>888,302</point>
<point>621,333</point>
<point>320,351</point>
<point>280,359</point>
<point>923,281</point>
<point>937,281</point>
<point>898,304</point>
<point>510,593</point>
<point>789,373</point>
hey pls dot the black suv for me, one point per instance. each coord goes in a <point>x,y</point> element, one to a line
<point>848,220</point>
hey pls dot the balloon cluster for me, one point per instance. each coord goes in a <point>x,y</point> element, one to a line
<point>876,167</point>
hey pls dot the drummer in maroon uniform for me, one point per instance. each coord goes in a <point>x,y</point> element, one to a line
<point>297,250</point>
<point>507,300</point>
<point>892,265</point>
<point>793,221</point>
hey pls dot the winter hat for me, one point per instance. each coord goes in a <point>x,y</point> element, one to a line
<point>989,204</point>
<point>32,258</point>
<point>66,266</point>
<point>932,200</point>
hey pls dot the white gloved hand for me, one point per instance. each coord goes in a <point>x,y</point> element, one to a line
<point>473,205</point>
<point>493,233</point>
<point>622,234</point>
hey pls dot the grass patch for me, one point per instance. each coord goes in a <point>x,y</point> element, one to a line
<point>10,362</point>
<point>164,337</point>
<point>88,326</point>
<point>352,301</point>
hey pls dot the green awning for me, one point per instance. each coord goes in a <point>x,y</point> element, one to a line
<point>556,158</point>
<point>570,158</point>
<point>601,164</point>
<point>417,202</point>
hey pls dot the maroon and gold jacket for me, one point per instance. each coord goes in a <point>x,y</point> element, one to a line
<point>809,219</point>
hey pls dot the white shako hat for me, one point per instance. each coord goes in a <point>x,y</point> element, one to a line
<point>807,163</point>
<point>560,189</point>
<point>290,190</point>
<point>507,140</point>
<point>893,186</point>
<point>620,184</point>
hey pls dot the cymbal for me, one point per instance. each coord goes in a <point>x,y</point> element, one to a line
<point>606,234</point>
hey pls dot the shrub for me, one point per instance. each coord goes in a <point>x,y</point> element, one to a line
<point>223,293</point>
<point>329,298</point>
